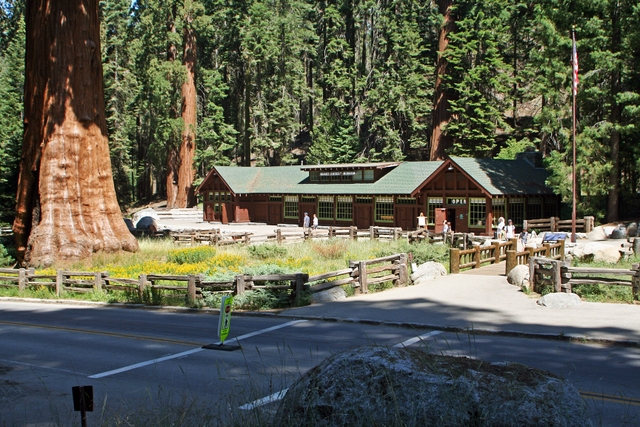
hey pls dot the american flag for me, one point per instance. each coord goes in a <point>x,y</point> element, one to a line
<point>574,59</point>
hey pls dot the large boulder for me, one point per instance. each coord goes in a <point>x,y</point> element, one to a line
<point>372,385</point>
<point>428,271</point>
<point>597,251</point>
<point>519,276</point>
<point>333,294</point>
<point>559,300</point>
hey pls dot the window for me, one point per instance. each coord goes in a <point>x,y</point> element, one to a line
<point>432,204</point>
<point>357,176</point>
<point>314,176</point>
<point>516,211</point>
<point>534,208</point>
<point>498,210</point>
<point>344,208</point>
<point>325,207</point>
<point>309,199</point>
<point>368,175</point>
<point>210,199</point>
<point>291,206</point>
<point>335,176</point>
<point>364,200</point>
<point>550,207</point>
<point>275,198</point>
<point>477,211</point>
<point>406,200</point>
<point>216,196</point>
<point>384,209</point>
<point>324,177</point>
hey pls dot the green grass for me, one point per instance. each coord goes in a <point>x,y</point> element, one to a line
<point>223,263</point>
<point>603,292</point>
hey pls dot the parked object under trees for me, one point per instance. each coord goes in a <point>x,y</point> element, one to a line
<point>66,202</point>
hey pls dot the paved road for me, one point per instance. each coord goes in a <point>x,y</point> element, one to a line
<point>143,362</point>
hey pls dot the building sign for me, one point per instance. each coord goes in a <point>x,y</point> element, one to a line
<point>456,201</point>
<point>337,173</point>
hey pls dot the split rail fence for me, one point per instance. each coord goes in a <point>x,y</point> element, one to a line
<point>360,275</point>
<point>478,256</point>
<point>216,238</point>
<point>555,224</point>
<point>562,277</point>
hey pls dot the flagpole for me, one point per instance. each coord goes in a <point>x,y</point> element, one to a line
<point>574,90</point>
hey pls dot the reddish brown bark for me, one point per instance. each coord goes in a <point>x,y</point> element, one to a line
<point>66,203</point>
<point>180,172</point>
<point>441,114</point>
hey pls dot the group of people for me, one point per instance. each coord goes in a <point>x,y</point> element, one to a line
<point>504,232</point>
<point>307,222</point>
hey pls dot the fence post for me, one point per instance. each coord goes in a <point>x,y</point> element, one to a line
<point>352,232</point>
<point>246,238</point>
<point>476,256</point>
<point>547,251</point>
<point>299,283</point>
<point>279,236</point>
<point>552,224</point>
<point>97,281</point>
<point>532,274</point>
<point>372,233</point>
<point>588,224</point>
<point>511,261</point>
<point>396,233</point>
<point>22,279</point>
<point>525,225</point>
<point>635,282</point>
<point>59,282</point>
<point>403,270</point>
<point>636,246</point>
<point>239,284</point>
<point>557,275</point>
<point>193,240</point>
<point>454,260</point>
<point>496,252</point>
<point>562,249</point>
<point>362,277</point>
<point>191,289</point>
<point>142,286</point>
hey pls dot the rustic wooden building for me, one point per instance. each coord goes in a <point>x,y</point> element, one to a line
<point>470,193</point>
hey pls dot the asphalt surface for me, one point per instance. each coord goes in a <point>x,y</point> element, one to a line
<point>484,304</point>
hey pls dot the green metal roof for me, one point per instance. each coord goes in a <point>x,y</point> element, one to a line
<point>505,177</point>
<point>497,177</point>
<point>402,180</point>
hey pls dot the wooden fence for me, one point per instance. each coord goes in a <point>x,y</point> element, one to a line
<point>562,277</point>
<point>555,224</point>
<point>360,275</point>
<point>281,235</point>
<point>480,255</point>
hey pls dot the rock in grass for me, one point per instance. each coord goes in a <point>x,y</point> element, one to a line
<point>371,385</point>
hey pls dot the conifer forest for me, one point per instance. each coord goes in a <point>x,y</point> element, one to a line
<point>276,82</point>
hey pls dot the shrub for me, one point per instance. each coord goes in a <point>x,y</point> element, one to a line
<point>5,259</point>
<point>331,249</point>
<point>267,250</point>
<point>191,255</point>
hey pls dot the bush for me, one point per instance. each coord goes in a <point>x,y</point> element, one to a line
<point>191,255</point>
<point>267,250</point>
<point>330,249</point>
<point>5,259</point>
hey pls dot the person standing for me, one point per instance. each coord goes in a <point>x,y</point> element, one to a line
<point>422,221</point>
<point>500,229</point>
<point>510,229</point>
<point>306,222</point>
<point>315,222</point>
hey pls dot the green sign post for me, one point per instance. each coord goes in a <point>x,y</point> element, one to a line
<point>224,322</point>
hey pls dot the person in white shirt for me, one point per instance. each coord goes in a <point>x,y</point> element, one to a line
<point>500,229</point>
<point>510,230</point>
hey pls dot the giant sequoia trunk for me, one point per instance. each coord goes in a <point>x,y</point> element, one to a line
<point>66,202</point>
<point>180,170</point>
<point>441,114</point>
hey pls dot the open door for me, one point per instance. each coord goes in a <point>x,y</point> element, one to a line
<point>441,217</point>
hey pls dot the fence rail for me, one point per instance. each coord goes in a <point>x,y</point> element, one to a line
<point>555,224</point>
<point>360,275</point>
<point>216,238</point>
<point>562,277</point>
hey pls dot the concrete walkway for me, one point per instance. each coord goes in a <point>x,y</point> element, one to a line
<point>486,304</point>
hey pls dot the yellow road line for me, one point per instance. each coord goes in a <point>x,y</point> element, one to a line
<point>108,334</point>
<point>610,398</point>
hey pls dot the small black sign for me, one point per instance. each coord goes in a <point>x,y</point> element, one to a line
<point>83,398</point>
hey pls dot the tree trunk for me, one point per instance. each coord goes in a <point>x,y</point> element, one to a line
<point>441,113</point>
<point>66,206</point>
<point>186,196</point>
